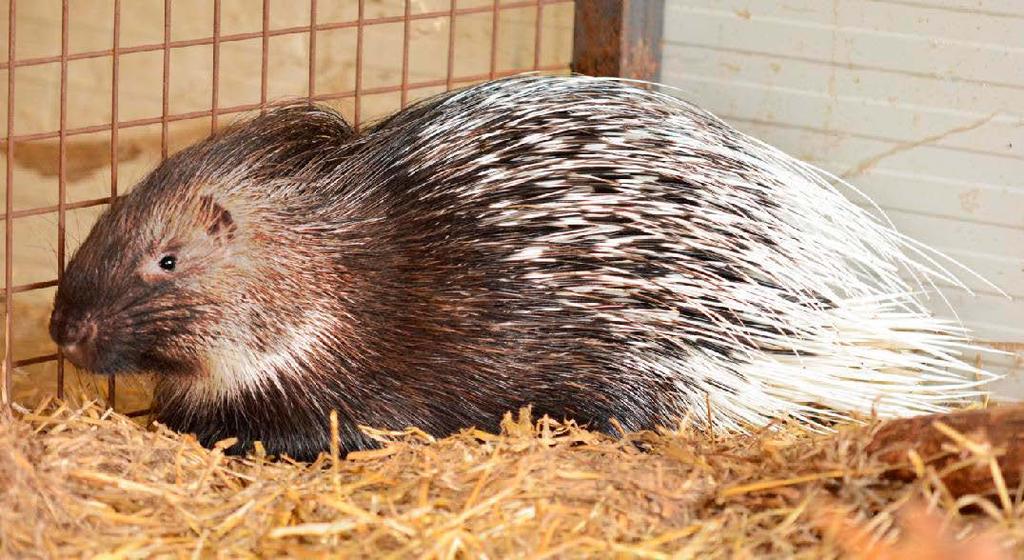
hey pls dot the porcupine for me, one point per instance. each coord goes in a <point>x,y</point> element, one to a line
<point>589,248</point>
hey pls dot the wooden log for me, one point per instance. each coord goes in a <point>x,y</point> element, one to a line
<point>999,429</point>
<point>618,38</point>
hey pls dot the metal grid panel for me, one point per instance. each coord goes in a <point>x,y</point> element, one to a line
<point>216,40</point>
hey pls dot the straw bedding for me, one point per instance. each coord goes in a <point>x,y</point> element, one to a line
<point>86,482</point>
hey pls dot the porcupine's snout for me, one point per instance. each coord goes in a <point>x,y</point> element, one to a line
<point>76,337</point>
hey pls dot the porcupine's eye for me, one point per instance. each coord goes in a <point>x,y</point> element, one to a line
<point>168,262</point>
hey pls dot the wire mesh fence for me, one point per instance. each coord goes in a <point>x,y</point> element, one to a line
<point>98,92</point>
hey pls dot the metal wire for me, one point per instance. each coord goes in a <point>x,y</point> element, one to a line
<point>61,171</point>
<point>495,21</point>
<point>8,365</point>
<point>215,83</point>
<point>450,74</point>
<point>264,66</point>
<point>216,39</point>
<point>302,29</point>
<point>311,89</point>
<point>537,34</point>
<point>166,98</point>
<point>359,93</point>
<point>115,75</point>
<point>406,25</point>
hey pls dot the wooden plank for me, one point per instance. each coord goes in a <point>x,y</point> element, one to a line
<point>873,104</point>
<point>916,18</point>
<point>618,38</point>
<point>793,38</point>
<point>966,186</point>
<point>928,92</point>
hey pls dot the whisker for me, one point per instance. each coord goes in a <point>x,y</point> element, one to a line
<point>149,322</point>
<point>146,312</point>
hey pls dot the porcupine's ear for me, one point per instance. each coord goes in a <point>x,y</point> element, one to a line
<point>217,220</point>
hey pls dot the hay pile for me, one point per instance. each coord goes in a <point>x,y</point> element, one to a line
<point>85,482</point>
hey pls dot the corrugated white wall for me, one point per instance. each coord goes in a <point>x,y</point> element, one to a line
<point>920,103</point>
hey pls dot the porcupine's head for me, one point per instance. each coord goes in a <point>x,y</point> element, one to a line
<point>192,266</point>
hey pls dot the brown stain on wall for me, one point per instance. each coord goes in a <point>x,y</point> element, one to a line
<point>82,159</point>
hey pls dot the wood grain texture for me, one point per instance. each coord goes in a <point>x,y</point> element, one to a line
<point>618,38</point>
<point>998,430</point>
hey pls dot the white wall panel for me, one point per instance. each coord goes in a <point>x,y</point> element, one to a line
<point>920,103</point>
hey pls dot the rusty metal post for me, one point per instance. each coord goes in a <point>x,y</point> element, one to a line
<point>618,38</point>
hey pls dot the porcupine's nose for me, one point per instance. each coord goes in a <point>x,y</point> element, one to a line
<point>75,337</point>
